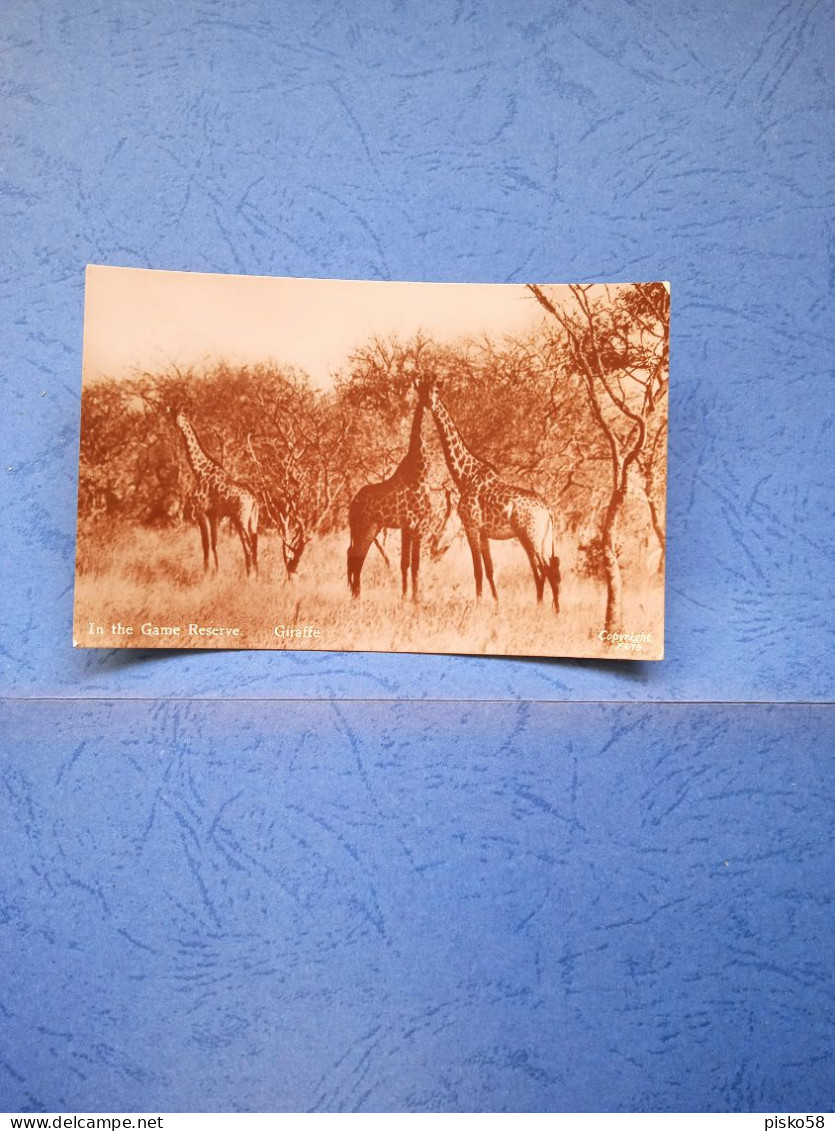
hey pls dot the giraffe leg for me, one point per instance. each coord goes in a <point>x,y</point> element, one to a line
<point>536,565</point>
<point>475,550</point>
<point>355,564</point>
<point>488,564</point>
<point>357,551</point>
<point>539,578</point>
<point>253,542</point>
<point>405,557</point>
<point>245,543</point>
<point>252,530</point>
<point>213,522</point>
<point>351,572</point>
<point>415,565</point>
<point>383,553</point>
<point>553,573</point>
<point>203,527</point>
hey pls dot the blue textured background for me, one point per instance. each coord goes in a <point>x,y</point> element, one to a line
<point>469,141</point>
<point>235,906</point>
<point>430,905</point>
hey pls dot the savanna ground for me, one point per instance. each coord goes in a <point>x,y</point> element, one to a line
<point>137,575</point>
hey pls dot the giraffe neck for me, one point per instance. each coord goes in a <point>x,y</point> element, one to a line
<point>462,464</point>
<point>415,457</point>
<point>200,463</point>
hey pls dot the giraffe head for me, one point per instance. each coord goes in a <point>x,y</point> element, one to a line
<point>446,527</point>
<point>425,386</point>
<point>292,550</point>
<point>182,422</point>
<point>294,539</point>
<point>460,460</point>
<point>174,412</point>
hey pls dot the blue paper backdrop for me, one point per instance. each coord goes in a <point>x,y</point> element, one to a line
<point>430,906</point>
<point>462,141</point>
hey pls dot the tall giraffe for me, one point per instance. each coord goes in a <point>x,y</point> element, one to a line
<point>218,496</point>
<point>401,502</point>
<point>490,508</point>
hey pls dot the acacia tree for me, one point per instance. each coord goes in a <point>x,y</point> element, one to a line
<point>106,443</point>
<point>377,392</point>
<point>511,409</point>
<point>264,424</point>
<point>296,440</point>
<point>127,466</point>
<point>617,341</point>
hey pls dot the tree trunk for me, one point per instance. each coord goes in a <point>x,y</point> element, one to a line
<point>658,527</point>
<point>611,565</point>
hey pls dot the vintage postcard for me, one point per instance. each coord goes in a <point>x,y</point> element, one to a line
<point>372,466</point>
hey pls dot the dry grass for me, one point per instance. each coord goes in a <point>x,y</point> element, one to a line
<point>139,576</point>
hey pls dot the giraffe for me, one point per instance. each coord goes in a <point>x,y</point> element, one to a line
<point>400,502</point>
<point>490,508</point>
<point>218,496</point>
<point>195,509</point>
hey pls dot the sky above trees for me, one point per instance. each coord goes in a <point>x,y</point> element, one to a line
<point>146,320</point>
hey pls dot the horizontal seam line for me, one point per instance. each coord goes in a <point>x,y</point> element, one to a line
<point>225,701</point>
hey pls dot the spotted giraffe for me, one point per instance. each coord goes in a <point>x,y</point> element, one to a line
<point>218,496</point>
<point>490,508</point>
<point>401,502</point>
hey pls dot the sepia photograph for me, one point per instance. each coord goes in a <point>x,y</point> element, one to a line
<point>372,466</point>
